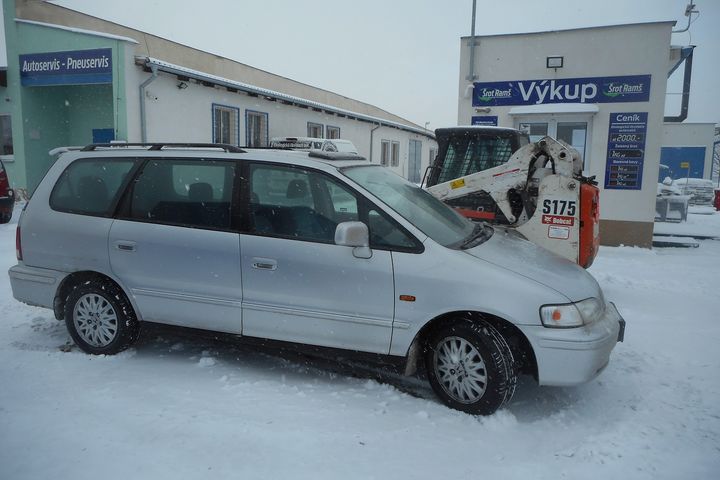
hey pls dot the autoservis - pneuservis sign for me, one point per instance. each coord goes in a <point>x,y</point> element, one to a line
<point>632,88</point>
<point>75,67</point>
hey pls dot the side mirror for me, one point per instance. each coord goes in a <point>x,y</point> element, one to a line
<point>354,234</point>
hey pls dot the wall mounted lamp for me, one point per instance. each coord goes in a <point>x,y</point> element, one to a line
<point>554,61</point>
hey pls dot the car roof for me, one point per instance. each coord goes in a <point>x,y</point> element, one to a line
<point>334,160</point>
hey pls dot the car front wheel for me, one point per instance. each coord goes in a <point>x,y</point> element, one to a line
<point>471,367</point>
<point>100,319</point>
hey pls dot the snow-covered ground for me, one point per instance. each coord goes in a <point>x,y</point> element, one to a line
<point>179,407</point>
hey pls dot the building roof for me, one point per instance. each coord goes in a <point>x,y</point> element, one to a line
<point>77,30</point>
<point>150,45</point>
<point>185,73</point>
<point>560,30</point>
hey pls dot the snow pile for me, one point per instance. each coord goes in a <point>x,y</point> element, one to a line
<point>178,406</point>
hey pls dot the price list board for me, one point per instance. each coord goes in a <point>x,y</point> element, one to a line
<point>625,151</point>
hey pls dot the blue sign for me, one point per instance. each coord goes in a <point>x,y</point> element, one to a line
<point>488,120</point>
<point>674,157</point>
<point>633,88</point>
<point>76,67</point>
<point>625,151</point>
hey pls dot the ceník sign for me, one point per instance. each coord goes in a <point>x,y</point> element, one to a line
<point>75,67</point>
<point>633,88</point>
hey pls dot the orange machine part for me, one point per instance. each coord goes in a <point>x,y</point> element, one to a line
<point>475,214</point>
<point>589,224</point>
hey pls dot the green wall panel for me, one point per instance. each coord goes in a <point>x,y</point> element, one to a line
<point>51,116</point>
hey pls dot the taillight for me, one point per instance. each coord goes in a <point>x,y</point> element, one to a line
<point>18,244</point>
<point>4,183</point>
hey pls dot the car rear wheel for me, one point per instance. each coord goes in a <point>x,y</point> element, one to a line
<point>100,318</point>
<point>471,367</point>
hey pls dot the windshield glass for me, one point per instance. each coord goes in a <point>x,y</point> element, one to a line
<point>472,153</point>
<point>430,215</point>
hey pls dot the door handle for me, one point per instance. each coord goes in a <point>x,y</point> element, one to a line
<point>125,246</point>
<point>264,263</point>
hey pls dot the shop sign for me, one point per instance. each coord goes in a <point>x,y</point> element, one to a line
<point>75,67</point>
<point>632,88</point>
<point>626,151</point>
<point>487,120</point>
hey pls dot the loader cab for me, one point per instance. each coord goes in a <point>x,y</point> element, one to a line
<point>470,149</point>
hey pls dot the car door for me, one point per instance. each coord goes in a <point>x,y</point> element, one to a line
<point>174,246</point>
<point>298,285</point>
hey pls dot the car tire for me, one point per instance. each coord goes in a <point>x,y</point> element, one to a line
<point>100,318</point>
<point>471,367</point>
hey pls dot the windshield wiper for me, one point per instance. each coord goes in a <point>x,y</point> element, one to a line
<point>480,233</point>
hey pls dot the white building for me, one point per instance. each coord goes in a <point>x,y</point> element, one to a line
<point>687,150</point>
<point>175,94</point>
<point>601,89</point>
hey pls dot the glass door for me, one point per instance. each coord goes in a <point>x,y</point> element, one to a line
<point>573,133</point>
<point>536,130</point>
<point>571,129</point>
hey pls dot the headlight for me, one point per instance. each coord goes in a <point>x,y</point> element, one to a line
<point>571,314</point>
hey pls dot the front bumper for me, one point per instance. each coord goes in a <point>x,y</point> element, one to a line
<point>35,286</point>
<point>571,356</point>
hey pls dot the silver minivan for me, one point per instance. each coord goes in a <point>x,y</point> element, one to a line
<point>313,248</point>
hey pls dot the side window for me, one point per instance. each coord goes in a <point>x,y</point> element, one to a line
<point>90,187</point>
<point>256,129</point>
<point>192,193</point>
<point>332,132</point>
<point>298,204</point>
<point>225,124</point>
<point>384,233</point>
<point>344,202</point>
<point>395,154</point>
<point>384,153</point>
<point>314,130</point>
<point>6,140</point>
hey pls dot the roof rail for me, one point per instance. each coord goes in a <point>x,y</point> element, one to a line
<point>161,145</point>
<point>334,155</point>
<point>267,148</point>
<point>59,150</point>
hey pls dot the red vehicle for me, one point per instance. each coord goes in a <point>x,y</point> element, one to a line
<point>7,196</point>
<point>717,200</point>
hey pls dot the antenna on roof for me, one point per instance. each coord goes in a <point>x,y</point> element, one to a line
<point>689,10</point>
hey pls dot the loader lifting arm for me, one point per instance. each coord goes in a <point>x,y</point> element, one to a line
<point>540,192</point>
<point>520,174</point>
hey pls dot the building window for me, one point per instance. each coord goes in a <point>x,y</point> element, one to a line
<point>332,132</point>
<point>433,153</point>
<point>395,154</point>
<point>256,129</point>
<point>6,142</point>
<point>314,130</point>
<point>384,153</point>
<point>226,123</point>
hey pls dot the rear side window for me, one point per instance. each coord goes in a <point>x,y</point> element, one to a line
<point>190,193</point>
<point>90,186</point>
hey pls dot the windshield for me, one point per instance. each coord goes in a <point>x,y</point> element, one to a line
<point>430,215</point>
<point>470,153</point>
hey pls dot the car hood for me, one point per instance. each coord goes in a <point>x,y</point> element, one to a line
<point>509,250</point>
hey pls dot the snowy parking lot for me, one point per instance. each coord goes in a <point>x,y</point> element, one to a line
<point>177,406</point>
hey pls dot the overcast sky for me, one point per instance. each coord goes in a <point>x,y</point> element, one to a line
<point>401,55</point>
